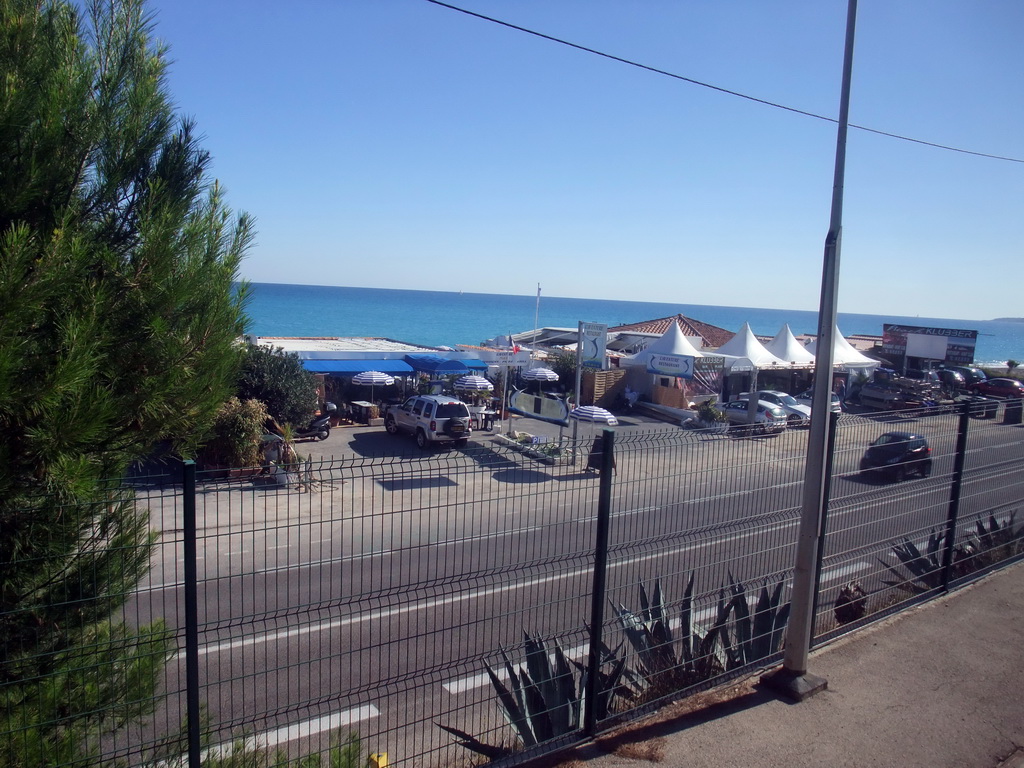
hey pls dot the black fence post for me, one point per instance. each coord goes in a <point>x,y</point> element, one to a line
<point>604,513</point>
<point>959,460</point>
<point>830,455</point>
<point>191,614</point>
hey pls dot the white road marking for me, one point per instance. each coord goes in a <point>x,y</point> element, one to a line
<point>464,684</point>
<point>387,613</point>
<point>271,739</point>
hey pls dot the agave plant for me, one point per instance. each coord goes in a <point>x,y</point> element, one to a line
<point>753,635</point>
<point>545,697</point>
<point>666,664</point>
<point>925,569</point>
<point>992,544</point>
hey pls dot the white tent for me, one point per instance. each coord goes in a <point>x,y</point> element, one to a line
<point>743,352</point>
<point>846,357</point>
<point>786,347</point>
<point>672,342</point>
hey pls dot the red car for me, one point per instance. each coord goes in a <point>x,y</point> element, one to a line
<point>998,388</point>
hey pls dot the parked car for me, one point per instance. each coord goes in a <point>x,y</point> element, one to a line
<point>797,414</point>
<point>951,380</point>
<point>769,418</point>
<point>971,374</point>
<point>896,455</point>
<point>807,398</point>
<point>430,419</point>
<point>999,387</point>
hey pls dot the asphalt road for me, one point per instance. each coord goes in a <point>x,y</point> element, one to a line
<point>374,600</point>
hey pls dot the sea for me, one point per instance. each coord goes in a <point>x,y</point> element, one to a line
<point>445,318</point>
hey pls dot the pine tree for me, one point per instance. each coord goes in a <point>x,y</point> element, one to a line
<point>118,317</point>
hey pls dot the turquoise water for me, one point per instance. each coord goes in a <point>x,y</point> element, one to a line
<point>435,318</point>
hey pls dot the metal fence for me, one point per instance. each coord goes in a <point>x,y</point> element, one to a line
<point>509,597</point>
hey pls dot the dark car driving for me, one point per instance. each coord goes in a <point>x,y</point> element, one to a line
<point>897,455</point>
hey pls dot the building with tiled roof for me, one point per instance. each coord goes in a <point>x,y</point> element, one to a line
<point>711,335</point>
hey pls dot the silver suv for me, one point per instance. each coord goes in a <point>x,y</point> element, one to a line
<point>430,419</point>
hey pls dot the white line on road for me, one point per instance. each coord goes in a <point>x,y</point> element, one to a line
<point>316,725</point>
<point>386,613</point>
<point>395,551</point>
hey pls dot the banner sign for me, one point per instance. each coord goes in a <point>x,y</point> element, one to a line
<point>593,340</point>
<point>671,365</point>
<point>950,345</point>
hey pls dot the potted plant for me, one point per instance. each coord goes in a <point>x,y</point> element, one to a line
<point>710,418</point>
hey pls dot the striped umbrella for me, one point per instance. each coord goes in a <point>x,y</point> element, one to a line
<point>539,374</point>
<point>594,415</point>
<point>474,384</point>
<point>371,379</point>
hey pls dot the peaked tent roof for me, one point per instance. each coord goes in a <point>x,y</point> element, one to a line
<point>671,342</point>
<point>712,335</point>
<point>786,347</point>
<point>845,356</point>
<point>745,345</point>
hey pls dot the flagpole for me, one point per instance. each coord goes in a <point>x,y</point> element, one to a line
<point>536,322</point>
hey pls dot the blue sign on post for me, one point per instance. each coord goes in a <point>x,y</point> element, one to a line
<point>671,365</point>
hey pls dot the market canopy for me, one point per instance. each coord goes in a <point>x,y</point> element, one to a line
<point>786,347</point>
<point>436,365</point>
<point>352,367</point>
<point>743,351</point>
<point>672,342</point>
<point>845,356</point>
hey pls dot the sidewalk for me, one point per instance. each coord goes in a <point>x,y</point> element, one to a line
<point>939,686</point>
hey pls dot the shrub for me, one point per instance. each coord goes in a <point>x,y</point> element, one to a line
<point>279,380</point>
<point>236,434</point>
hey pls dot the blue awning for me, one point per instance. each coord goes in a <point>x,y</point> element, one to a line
<point>352,367</point>
<point>436,365</point>
<point>474,364</point>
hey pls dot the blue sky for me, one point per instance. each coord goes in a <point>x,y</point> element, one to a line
<point>396,143</point>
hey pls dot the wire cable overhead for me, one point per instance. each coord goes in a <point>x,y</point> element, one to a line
<point>726,91</point>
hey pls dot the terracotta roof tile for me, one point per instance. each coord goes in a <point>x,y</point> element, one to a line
<point>712,335</point>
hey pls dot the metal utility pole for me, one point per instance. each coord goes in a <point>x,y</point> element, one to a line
<point>793,679</point>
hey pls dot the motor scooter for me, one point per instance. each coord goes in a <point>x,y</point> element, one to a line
<point>320,427</point>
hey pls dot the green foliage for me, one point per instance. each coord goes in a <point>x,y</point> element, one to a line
<point>279,380</point>
<point>992,543</point>
<point>924,568</point>
<point>236,434</point>
<point>707,412</point>
<point>545,697</point>
<point>563,363</point>
<point>740,634</point>
<point>1011,365</point>
<point>667,664</point>
<point>118,315</point>
<point>753,635</point>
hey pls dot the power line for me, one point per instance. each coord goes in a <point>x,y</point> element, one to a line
<point>726,91</point>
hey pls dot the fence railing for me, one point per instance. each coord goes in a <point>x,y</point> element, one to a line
<point>518,601</point>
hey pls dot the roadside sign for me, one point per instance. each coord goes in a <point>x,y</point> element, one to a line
<point>671,365</point>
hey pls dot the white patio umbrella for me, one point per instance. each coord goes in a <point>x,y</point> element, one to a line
<point>594,414</point>
<point>473,384</point>
<point>539,374</point>
<point>371,379</point>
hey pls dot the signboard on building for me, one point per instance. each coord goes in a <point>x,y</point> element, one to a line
<point>593,340</point>
<point>949,345</point>
<point>680,366</point>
